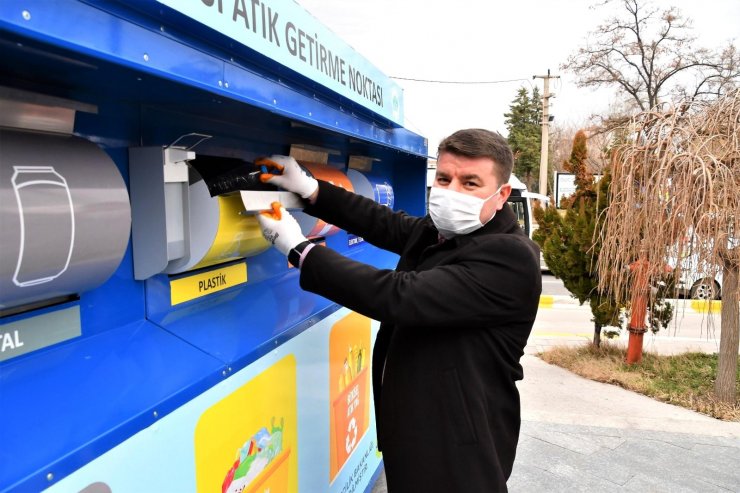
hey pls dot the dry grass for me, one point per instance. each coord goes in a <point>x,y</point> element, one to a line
<point>685,380</point>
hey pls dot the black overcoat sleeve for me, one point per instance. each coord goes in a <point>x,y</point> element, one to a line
<point>472,291</point>
<point>484,278</point>
<point>375,223</point>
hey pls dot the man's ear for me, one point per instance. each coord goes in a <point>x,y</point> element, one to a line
<point>505,192</point>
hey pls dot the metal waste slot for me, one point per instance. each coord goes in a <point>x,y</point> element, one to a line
<point>64,213</point>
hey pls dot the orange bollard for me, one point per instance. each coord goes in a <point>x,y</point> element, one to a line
<point>637,327</point>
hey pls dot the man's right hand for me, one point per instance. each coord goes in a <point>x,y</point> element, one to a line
<point>289,175</point>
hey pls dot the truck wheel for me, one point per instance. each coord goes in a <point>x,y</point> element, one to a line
<point>705,289</point>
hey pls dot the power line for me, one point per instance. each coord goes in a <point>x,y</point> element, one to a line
<point>459,81</point>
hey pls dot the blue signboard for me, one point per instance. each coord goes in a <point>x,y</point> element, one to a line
<point>286,33</point>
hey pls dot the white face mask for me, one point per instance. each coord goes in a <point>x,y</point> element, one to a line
<point>455,213</point>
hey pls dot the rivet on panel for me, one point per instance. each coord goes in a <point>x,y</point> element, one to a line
<point>220,83</point>
<point>50,477</point>
<point>26,15</point>
<point>226,85</point>
<point>146,57</point>
<point>155,414</point>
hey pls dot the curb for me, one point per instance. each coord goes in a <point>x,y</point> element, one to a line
<point>697,306</point>
<point>703,306</point>
<point>548,300</point>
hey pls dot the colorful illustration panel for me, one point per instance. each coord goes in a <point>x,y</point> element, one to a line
<point>248,441</point>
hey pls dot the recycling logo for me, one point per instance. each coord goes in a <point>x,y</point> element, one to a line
<point>351,431</point>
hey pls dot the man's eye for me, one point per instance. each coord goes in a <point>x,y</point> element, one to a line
<point>442,180</point>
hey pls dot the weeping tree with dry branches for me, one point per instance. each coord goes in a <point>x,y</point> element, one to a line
<point>675,191</point>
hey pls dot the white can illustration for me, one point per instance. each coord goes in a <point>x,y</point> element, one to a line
<point>44,206</point>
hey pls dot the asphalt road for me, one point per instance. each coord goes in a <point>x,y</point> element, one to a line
<point>695,324</point>
<point>553,286</point>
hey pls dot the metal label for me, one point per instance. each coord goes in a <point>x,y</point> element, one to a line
<point>30,334</point>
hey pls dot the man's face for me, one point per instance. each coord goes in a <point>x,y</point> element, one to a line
<point>471,176</point>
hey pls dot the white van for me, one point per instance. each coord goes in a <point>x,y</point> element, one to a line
<point>696,280</point>
<point>520,201</point>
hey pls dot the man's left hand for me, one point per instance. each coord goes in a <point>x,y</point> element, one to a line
<point>280,228</point>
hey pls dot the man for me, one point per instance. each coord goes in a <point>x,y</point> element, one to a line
<point>455,313</point>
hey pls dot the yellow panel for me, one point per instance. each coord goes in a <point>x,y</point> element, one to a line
<point>191,287</point>
<point>224,430</point>
<point>239,234</point>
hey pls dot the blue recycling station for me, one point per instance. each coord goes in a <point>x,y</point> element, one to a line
<point>150,339</point>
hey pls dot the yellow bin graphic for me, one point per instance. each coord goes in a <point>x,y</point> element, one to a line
<point>248,441</point>
<point>274,478</point>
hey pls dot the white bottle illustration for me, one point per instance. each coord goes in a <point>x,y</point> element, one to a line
<point>44,206</point>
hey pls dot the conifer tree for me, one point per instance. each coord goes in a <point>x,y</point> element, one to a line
<point>523,124</point>
<point>568,242</point>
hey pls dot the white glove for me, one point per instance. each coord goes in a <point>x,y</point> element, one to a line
<point>280,228</point>
<point>290,176</point>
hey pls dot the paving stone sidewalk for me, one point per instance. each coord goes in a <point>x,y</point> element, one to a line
<point>579,435</point>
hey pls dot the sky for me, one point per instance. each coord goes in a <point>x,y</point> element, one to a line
<point>490,40</point>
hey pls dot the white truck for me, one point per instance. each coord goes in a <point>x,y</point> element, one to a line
<point>520,201</point>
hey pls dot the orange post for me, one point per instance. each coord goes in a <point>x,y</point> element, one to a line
<point>640,292</point>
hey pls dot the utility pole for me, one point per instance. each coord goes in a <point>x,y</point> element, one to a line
<point>545,128</point>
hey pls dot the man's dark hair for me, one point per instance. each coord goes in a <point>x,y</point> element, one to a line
<point>478,142</point>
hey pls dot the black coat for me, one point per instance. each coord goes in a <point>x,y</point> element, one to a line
<point>455,317</point>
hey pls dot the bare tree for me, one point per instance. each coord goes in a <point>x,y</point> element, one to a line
<point>649,54</point>
<point>561,143</point>
<point>675,182</point>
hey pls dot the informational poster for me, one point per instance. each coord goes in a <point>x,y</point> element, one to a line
<point>299,419</point>
<point>349,387</point>
<point>565,186</point>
